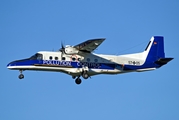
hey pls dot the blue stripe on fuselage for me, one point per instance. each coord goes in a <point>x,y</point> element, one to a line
<point>145,65</point>
<point>74,64</point>
<point>57,63</point>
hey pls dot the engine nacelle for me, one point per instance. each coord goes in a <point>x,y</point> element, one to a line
<point>70,50</point>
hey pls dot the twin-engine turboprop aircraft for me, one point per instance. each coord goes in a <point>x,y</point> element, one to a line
<point>79,60</point>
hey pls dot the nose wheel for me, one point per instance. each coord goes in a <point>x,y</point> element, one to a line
<point>21,76</point>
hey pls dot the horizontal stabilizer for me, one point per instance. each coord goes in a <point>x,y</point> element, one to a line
<point>163,61</point>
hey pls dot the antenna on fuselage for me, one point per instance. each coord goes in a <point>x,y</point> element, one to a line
<point>139,44</point>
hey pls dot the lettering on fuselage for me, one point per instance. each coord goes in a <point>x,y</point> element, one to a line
<point>73,64</point>
<point>56,62</point>
<point>89,64</point>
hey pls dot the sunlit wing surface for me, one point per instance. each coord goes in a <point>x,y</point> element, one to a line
<point>89,45</point>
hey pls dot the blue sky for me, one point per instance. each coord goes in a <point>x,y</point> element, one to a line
<point>27,27</point>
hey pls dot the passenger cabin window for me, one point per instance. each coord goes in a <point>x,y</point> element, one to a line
<point>73,59</point>
<point>50,57</point>
<point>79,59</point>
<point>95,60</point>
<point>37,56</point>
<point>56,58</point>
<point>63,58</point>
<point>88,59</point>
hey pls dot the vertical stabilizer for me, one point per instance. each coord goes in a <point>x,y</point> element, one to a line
<point>155,51</point>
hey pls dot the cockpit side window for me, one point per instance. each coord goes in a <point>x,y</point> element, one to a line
<point>37,56</point>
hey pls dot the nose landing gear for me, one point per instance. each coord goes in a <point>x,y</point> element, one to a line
<point>21,76</point>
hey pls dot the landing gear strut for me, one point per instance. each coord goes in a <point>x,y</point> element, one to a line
<point>78,81</point>
<point>85,75</point>
<point>21,76</point>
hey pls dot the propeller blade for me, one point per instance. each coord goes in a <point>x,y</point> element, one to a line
<point>62,49</point>
<point>62,46</point>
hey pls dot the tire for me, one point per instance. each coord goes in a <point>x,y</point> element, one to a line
<point>78,81</point>
<point>85,75</point>
<point>21,76</point>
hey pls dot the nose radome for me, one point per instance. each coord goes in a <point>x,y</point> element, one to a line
<point>9,65</point>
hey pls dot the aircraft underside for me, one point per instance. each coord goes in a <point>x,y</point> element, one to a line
<point>74,72</point>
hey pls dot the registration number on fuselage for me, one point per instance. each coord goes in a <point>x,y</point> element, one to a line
<point>134,62</point>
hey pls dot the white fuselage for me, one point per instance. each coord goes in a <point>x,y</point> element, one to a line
<point>59,62</point>
<point>78,61</point>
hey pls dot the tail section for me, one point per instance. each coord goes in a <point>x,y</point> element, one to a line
<point>163,61</point>
<point>155,51</point>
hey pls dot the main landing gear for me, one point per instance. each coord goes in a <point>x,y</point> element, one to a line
<point>85,75</point>
<point>78,80</point>
<point>21,76</point>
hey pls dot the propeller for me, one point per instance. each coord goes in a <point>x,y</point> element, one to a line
<point>62,46</point>
<point>62,49</point>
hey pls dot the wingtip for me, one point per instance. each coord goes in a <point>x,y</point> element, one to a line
<point>102,39</point>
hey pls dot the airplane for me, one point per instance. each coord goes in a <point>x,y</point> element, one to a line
<point>80,61</point>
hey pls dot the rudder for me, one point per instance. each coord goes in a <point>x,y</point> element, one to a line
<point>155,48</point>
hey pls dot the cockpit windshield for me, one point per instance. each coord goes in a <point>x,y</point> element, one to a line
<point>37,56</point>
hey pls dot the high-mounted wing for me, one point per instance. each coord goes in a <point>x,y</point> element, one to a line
<point>89,45</point>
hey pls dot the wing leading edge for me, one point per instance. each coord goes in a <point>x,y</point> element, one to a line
<point>89,45</point>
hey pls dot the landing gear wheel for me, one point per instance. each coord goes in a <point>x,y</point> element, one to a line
<point>78,81</point>
<point>85,75</point>
<point>21,76</point>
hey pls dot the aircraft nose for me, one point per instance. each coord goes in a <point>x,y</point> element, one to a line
<point>14,64</point>
<point>9,65</point>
